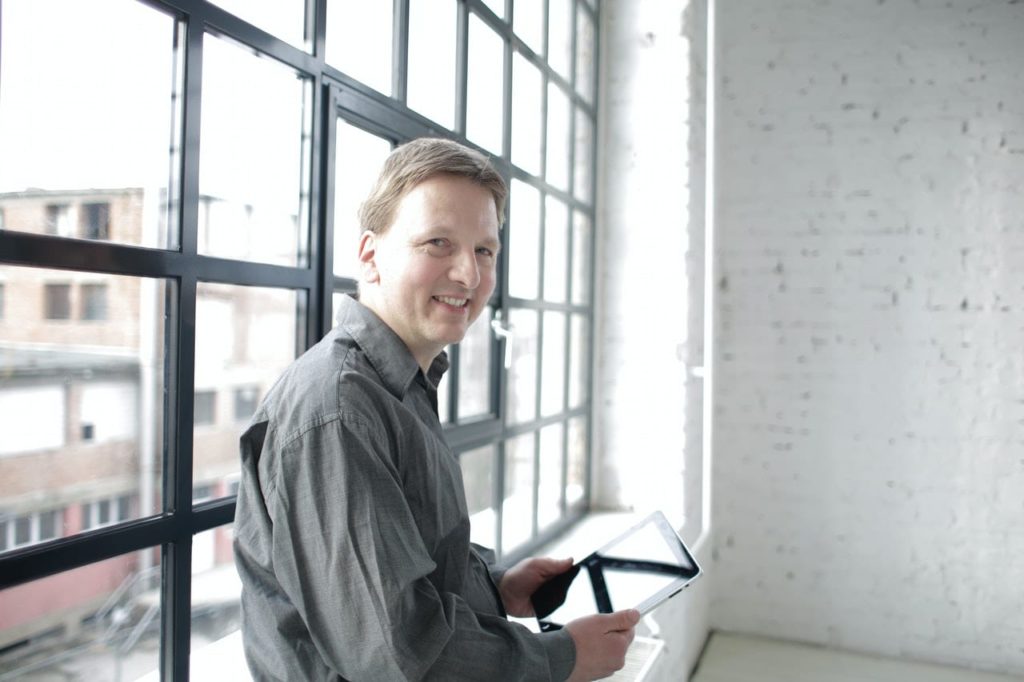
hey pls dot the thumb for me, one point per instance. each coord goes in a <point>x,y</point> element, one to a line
<point>624,620</point>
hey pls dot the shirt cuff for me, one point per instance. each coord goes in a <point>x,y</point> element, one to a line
<point>561,652</point>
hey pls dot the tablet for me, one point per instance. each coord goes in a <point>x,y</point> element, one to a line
<point>639,570</point>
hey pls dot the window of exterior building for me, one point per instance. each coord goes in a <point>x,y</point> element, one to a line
<point>246,401</point>
<point>93,300</point>
<point>3,299</point>
<point>95,220</point>
<point>205,409</point>
<point>58,220</point>
<point>57,301</point>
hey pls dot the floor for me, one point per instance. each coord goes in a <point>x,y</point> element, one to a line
<point>736,658</point>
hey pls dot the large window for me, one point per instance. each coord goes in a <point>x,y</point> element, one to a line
<point>179,219</point>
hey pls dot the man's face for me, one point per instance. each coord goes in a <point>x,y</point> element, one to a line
<point>430,275</point>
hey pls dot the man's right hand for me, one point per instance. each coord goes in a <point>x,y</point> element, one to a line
<point>601,643</point>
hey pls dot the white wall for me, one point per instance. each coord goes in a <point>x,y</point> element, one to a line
<point>869,468</point>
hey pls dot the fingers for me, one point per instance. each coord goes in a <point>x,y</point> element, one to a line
<point>623,620</point>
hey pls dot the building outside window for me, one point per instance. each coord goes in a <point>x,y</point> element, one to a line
<point>57,301</point>
<point>58,220</point>
<point>93,298</point>
<point>205,410</point>
<point>95,220</point>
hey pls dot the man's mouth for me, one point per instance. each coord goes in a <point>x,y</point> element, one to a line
<point>455,302</point>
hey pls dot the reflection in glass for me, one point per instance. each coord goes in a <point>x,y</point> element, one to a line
<point>549,494</point>
<point>81,405</point>
<point>528,24</point>
<point>478,477</point>
<point>253,180</point>
<point>553,363</point>
<point>578,361</point>
<point>432,44</point>
<point>517,504</point>
<point>556,250</point>
<point>97,622</point>
<point>359,156</point>
<point>285,19</point>
<point>484,89</point>
<point>557,167</point>
<point>216,643</point>
<point>560,36</point>
<point>524,240</point>
<point>475,368</point>
<point>107,170</point>
<point>522,376</point>
<point>358,41</point>
<point>581,239</point>
<point>582,179</point>
<point>585,54</point>
<point>576,468</point>
<point>527,115</point>
<point>245,338</point>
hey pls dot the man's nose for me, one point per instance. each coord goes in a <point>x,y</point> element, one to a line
<point>465,270</point>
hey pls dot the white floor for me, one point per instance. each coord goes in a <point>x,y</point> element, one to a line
<point>736,658</point>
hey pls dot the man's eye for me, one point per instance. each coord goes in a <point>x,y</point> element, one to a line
<point>484,251</point>
<point>439,243</point>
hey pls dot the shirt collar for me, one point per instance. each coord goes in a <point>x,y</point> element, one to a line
<point>384,349</point>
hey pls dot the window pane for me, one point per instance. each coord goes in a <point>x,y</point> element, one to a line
<point>358,159</point>
<point>581,237</point>
<point>444,395</point>
<point>560,36</point>
<point>576,475</point>
<point>556,250</point>
<point>216,643</point>
<point>359,39</point>
<point>585,54</point>
<point>478,477</point>
<point>81,403</point>
<point>524,240</point>
<point>522,377</point>
<point>475,368</point>
<point>528,23</point>
<point>255,117</point>
<point>527,115</point>
<point>558,138</point>
<point>432,45</point>
<point>245,338</point>
<point>285,19</point>
<point>578,362</point>
<point>82,624</point>
<point>517,505</point>
<point>549,495</point>
<point>94,302</point>
<point>124,139</point>
<point>553,364</point>
<point>484,90</point>
<point>582,179</point>
<point>58,301</point>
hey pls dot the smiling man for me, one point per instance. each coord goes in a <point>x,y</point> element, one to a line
<point>351,529</point>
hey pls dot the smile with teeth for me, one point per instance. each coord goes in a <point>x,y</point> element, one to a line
<point>456,302</point>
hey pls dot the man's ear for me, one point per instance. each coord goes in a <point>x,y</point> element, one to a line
<point>368,257</point>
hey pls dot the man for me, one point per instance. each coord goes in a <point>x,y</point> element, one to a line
<point>351,531</point>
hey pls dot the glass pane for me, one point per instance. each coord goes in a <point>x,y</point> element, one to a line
<point>517,504</point>
<point>522,376</point>
<point>560,36</point>
<point>475,368</point>
<point>478,477</point>
<point>582,179</point>
<point>245,338</point>
<point>98,622</point>
<point>432,45</point>
<point>68,125</point>
<point>359,39</point>
<point>524,240</point>
<point>484,89</point>
<point>557,172</point>
<point>549,494</point>
<point>581,236</point>
<point>81,403</point>
<point>527,114</point>
<point>285,19</point>
<point>576,474</point>
<point>357,162</point>
<point>255,117</point>
<point>578,362</point>
<point>585,54</point>
<point>216,643</point>
<point>528,23</point>
<point>553,364</point>
<point>556,250</point>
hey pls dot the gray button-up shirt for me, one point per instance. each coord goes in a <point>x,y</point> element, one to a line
<point>351,530</point>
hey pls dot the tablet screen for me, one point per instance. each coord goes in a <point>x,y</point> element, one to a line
<point>637,570</point>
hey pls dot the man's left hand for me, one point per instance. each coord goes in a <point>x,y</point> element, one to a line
<point>523,579</point>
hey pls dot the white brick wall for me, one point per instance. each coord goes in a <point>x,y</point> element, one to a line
<point>869,464</point>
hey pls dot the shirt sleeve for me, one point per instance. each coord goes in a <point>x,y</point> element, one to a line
<point>348,553</point>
